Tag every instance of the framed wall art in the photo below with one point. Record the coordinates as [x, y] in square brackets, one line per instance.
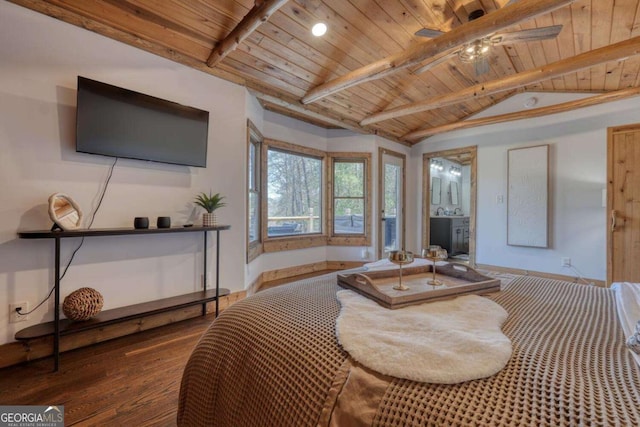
[528, 197]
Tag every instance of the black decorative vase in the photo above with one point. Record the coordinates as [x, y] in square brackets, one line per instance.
[141, 222]
[164, 222]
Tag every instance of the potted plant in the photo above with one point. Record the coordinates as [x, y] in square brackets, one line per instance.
[210, 203]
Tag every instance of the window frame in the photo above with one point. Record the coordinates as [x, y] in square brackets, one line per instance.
[341, 239]
[290, 242]
[254, 138]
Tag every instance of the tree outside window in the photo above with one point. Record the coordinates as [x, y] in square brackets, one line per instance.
[294, 191]
[254, 191]
[348, 196]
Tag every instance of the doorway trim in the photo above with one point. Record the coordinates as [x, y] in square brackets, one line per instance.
[471, 157]
[379, 204]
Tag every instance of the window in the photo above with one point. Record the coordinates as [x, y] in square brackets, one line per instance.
[310, 201]
[254, 138]
[293, 199]
[350, 201]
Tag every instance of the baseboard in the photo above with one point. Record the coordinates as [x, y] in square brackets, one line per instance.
[284, 273]
[23, 351]
[254, 286]
[522, 272]
[344, 265]
[289, 272]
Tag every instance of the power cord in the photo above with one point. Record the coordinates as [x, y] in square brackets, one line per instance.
[93, 217]
[580, 275]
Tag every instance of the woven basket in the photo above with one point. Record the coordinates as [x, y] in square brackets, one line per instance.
[82, 304]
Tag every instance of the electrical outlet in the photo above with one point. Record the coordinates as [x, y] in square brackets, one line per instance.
[14, 317]
[565, 262]
[499, 199]
[365, 253]
[209, 280]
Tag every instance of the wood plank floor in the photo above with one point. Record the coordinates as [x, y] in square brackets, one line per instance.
[129, 381]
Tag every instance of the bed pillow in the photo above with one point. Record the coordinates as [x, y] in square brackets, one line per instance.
[627, 297]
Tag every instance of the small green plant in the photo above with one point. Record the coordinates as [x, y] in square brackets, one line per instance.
[210, 202]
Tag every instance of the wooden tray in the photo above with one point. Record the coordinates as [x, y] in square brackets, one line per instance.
[458, 279]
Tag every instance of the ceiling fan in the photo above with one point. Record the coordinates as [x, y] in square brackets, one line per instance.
[478, 50]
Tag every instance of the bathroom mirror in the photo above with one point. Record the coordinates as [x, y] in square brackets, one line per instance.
[454, 193]
[435, 191]
[64, 212]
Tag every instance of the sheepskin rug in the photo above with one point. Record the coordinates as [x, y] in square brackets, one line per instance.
[444, 342]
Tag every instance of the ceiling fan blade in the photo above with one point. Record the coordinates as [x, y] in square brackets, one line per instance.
[432, 63]
[481, 65]
[533, 34]
[429, 32]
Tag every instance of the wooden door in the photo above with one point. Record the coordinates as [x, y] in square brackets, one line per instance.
[623, 204]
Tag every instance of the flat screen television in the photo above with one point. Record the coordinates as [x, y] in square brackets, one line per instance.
[118, 122]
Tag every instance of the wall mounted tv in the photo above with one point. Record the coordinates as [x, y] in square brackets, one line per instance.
[118, 122]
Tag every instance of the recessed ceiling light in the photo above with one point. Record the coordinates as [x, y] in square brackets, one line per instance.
[319, 29]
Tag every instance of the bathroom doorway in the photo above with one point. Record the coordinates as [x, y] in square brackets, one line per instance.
[449, 202]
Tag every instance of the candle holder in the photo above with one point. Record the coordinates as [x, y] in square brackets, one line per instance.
[435, 254]
[401, 258]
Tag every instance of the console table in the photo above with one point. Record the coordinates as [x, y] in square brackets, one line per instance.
[60, 327]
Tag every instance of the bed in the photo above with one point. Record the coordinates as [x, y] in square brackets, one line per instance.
[273, 360]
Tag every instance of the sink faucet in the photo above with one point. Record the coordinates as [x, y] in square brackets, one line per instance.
[440, 211]
[457, 211]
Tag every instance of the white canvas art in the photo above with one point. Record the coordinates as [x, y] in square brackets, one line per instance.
[528, 197]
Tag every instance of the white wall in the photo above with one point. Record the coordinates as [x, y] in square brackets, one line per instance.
[40, 59]
[578, 175]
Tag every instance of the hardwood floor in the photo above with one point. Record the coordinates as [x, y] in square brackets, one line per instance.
[129, 381]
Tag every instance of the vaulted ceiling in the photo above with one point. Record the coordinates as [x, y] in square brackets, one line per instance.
[363, 74]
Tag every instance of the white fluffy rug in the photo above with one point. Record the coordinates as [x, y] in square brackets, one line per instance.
[443, 342]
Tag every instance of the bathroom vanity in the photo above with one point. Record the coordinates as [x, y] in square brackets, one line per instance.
[450, 233]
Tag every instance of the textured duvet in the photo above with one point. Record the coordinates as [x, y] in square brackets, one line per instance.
[273, 360]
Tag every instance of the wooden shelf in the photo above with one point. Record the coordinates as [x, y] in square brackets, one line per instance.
[121, 314]
[48, 234]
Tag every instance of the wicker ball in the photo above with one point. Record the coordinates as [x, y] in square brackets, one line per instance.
[82, 304]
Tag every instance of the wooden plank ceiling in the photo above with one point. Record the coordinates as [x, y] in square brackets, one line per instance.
[273, 53]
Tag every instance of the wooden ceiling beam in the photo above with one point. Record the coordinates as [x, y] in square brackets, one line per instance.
[505, 17]
[296, 107]
[155, 47]
[259, 14]
[526, 114]
[617, 51]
